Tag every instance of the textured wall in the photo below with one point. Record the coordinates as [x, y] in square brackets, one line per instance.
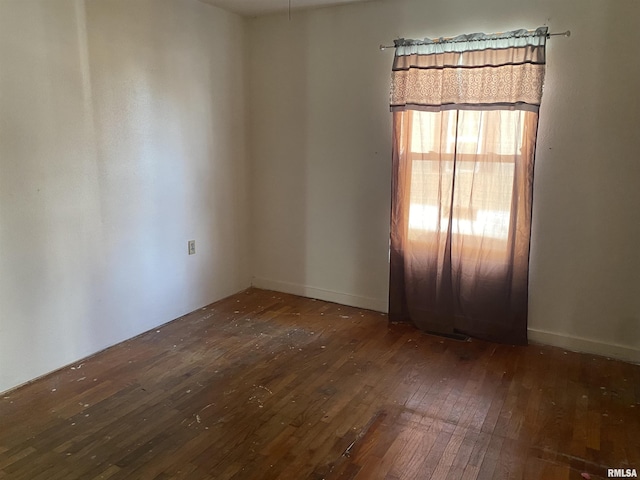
[321, 132]
[121, 138]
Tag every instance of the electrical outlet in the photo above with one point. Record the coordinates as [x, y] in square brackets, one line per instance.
[192, 247]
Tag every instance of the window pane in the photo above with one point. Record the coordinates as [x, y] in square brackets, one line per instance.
[486, 148]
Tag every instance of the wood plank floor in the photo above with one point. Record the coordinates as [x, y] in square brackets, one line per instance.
[264, 385]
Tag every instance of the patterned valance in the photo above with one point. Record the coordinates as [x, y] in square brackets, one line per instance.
[470, 71]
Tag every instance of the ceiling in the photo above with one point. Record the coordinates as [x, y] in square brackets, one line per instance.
[254, 8]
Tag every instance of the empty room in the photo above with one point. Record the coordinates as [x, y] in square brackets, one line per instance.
[319, 239]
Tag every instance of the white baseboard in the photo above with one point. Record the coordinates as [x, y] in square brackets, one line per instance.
[568, 342]
[321, 294]
[584, 345]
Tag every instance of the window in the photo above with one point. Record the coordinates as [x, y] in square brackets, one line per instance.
[479, 185]
[465, 119]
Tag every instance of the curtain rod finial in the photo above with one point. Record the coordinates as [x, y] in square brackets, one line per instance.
[560, 34]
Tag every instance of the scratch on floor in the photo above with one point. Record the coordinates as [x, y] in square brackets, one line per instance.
[370, 427]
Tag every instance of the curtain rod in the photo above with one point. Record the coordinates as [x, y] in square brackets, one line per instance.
[437, 40]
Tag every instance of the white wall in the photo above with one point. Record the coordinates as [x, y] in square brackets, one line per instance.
[320, 157]
[122, 136]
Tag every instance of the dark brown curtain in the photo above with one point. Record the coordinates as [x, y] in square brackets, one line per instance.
[465, 115]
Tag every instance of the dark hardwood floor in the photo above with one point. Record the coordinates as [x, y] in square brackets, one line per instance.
[265, 385]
